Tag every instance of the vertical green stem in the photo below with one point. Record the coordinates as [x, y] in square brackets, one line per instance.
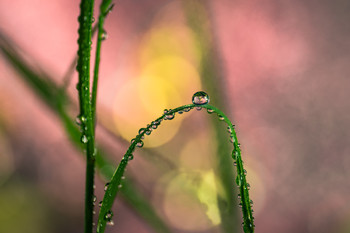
[83, 68]
[104, 9]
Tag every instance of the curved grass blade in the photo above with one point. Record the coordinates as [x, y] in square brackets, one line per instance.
[114, 185]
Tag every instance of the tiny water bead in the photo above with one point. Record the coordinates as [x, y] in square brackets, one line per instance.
[210, 111]
[200, 98]
[199, 108]
[84, 139]
[109, 215]
[106, 186]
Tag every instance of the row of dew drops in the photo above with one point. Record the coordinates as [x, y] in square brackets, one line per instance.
[198, 99]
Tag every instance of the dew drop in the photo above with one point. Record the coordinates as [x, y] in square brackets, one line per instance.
[106, 186]
[240, 204]
[148, 132]
[92, 19]
[239, 196]
[120, 186]
[154, 126]
[93, 212]
[78, 120]
[139, 144]
[109, 215]
[200, 98]
[245, 172]
[248, 186]
[187, 109]
[94, 198]
[232, 139]
[234, 163]
[170, 116]
[180, 112]
[100, 204]
[84, 139]
[229, 129]
[123, 177]
[221, 118]
[198, 108]
[130, 157]
[104, 35]
[210, 111]
[142, 130]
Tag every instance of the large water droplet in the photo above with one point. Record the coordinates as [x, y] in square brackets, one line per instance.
[142, 130]
[200, 98]
[198, 108]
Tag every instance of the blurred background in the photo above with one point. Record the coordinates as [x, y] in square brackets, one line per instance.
[279, 70]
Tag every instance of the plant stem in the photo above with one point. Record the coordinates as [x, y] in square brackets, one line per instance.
[83, 86]
[104, 10]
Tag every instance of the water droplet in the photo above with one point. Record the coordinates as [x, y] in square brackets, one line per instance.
[232, 139]
[198, 108]
[84, 139]
[120, 186]
[245, 172]
[139, 144]
[110, 8]
[142, 130]
[251, 202]
[77, 120]
[180, 112]
[123, 177]
[187, 109]
[221, 118]
[109, 215]
[94, 198]
[200, 98]
[92, 19]
[93, 212]
[234, 163]
[170, 116]
[210, 111]
[131, 157]
[165, 111]
[148, 132]
[240, 204]
[93, 224]
[106, 186]
[239, 196]
[248, 186]
[104, 35]
[100, 204]
[154, 126]
[229, 129]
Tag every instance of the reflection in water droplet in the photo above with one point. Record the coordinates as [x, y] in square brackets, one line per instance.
[221, 118]
[200, 98]
[199, 108]
[180, 112]
[131, 157]
[110, 223]
[120, 186]
[100, 204]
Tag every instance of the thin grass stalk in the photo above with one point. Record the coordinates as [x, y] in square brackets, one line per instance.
[105, 8]
[85, 116]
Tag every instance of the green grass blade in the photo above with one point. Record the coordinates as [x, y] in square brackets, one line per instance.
[113, 187]
[86, 119]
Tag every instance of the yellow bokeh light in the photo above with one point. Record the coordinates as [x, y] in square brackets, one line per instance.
[190, 200]
[130, 115]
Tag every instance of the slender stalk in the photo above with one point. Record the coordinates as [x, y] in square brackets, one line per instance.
[85, 117]
[105, 8]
